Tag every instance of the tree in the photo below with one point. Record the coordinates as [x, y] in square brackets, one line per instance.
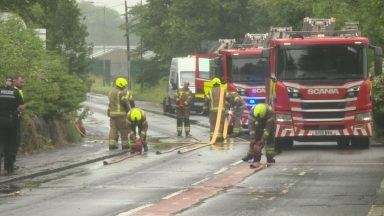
[66, 33]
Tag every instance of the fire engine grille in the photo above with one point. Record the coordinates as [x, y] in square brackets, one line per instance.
[322, 115]
[323, 127]
[329, 105]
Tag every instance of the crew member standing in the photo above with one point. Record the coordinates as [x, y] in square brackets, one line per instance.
[261, 123]
[237, 105]
[183, 98]
[136, 119]
[119, 106]
[212, 100]
[19, 83]
[10, 103]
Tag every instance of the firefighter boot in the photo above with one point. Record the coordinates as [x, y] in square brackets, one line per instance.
[145, 146]
[188, 134]
[247, 157]
[270, 159]
[179, 133]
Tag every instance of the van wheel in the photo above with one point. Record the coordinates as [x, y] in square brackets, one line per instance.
[360, 142]
[165, 106]
[343, 142]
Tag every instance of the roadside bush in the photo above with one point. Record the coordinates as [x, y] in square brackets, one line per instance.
[378, 104]
[51, 92]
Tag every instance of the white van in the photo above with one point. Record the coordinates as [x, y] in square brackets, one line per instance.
[182, 69]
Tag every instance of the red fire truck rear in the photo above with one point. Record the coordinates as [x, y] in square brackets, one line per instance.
[319, 85]
[241, 66]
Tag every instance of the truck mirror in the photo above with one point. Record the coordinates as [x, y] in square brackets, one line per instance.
[378, 60]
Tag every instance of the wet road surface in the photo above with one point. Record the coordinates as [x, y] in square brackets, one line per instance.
[307, 180]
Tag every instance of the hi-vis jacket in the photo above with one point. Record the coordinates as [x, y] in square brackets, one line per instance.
[120, 102]
[183, 97]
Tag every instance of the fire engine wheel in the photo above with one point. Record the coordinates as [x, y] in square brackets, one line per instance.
[343, 142]
[283, 144]
[360, 142]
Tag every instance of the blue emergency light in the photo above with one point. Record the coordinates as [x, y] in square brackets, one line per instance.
[252, 101]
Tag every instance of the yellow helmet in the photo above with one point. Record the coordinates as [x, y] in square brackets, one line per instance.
[260, 110]
[216, 81]
[135, 114]
[121, 82]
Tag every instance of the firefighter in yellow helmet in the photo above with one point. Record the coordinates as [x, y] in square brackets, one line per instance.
[136, 119]
[183, 98]
[212, 100]
[261, 123]
[120, 102]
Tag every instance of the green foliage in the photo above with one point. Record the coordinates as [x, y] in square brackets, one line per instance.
[378, 103]
[65, 32]
[50, 91]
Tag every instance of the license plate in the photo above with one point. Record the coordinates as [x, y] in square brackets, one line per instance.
[323, 132]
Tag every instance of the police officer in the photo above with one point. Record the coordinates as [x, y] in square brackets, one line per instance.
[261, 123]
[212, 100]
[120, 101]
[10, 103]
[237, 105]
[183, 98]
[136, 119]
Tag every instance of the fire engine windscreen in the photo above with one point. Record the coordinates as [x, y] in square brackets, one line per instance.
[322, 62]
[187, 76]
[247, 68]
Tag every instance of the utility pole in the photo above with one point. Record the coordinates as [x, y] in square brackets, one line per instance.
[141, 41]
[104, 71]
[128, 51]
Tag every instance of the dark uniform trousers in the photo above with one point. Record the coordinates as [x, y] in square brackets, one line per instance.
[182, 116]
[8, 139]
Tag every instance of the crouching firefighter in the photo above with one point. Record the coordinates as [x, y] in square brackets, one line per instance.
[136, 119]
[11, 103]
[261, 123]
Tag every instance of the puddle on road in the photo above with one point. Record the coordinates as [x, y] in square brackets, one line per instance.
[9, 189]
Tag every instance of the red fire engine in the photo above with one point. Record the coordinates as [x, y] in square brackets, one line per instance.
[319, 85]
[242, 67]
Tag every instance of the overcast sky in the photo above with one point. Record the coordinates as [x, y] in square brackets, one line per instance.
[113, 4]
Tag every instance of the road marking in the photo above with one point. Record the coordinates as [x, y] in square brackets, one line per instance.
[294, 169]
[201, 181]
[271, 198]
[284, 191]
[284, 169]
[376, 210]
[174, 194]
[302, 173]
[134, 210]
[221, 170]
[236, 163]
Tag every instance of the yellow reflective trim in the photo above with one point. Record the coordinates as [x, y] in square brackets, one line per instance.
[199, 96]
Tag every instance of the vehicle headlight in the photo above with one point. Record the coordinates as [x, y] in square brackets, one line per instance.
[293, 92]
[283, 118]
[353, 92]
[367, 116]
